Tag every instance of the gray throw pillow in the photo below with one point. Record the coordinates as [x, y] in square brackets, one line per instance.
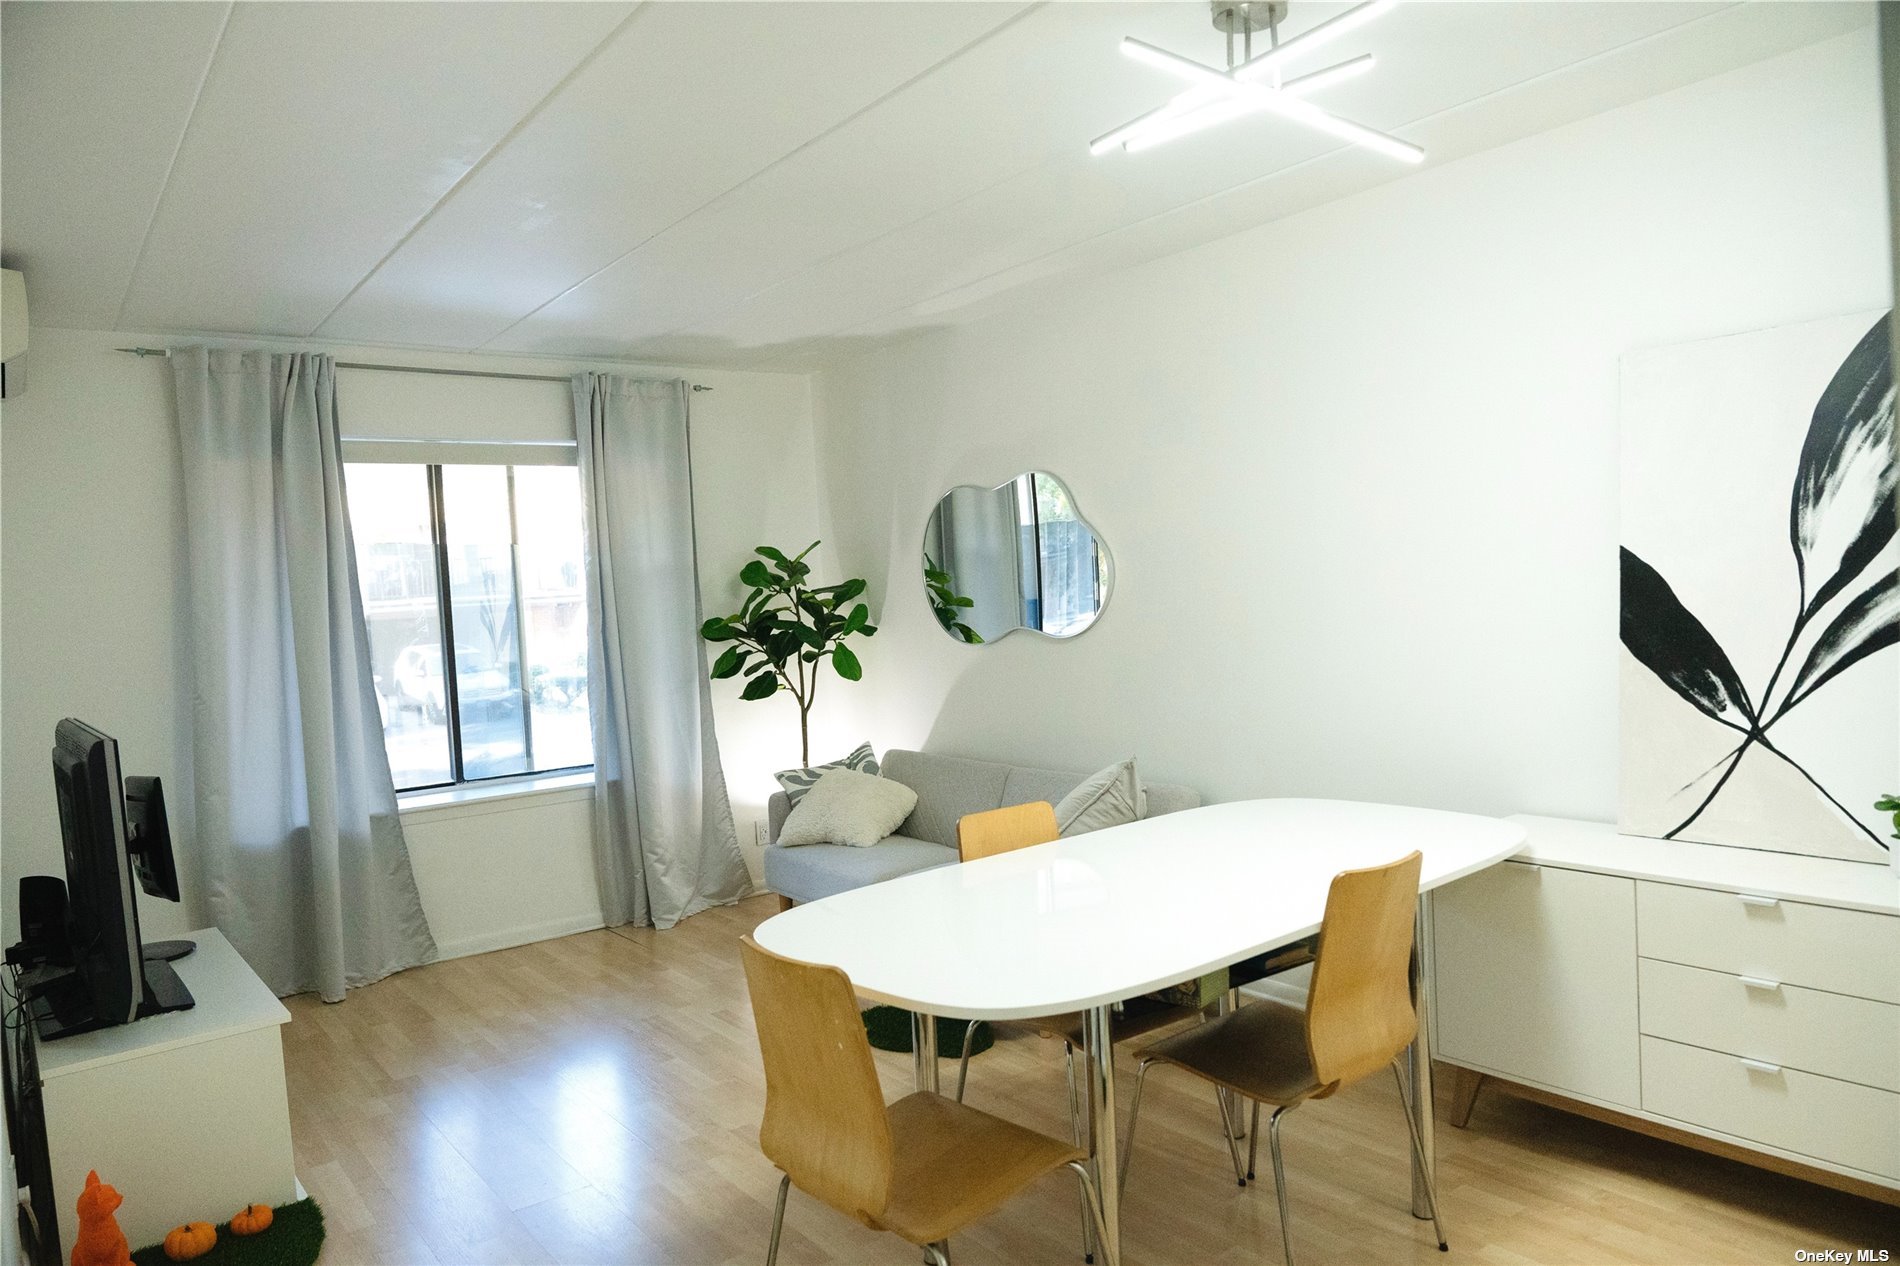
[1109, 797]
[846, 807]
[798, 781]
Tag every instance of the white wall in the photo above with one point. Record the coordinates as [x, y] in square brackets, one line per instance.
[1358, 467]
[91, 618]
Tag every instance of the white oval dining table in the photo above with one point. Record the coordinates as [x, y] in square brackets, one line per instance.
[1082, 923]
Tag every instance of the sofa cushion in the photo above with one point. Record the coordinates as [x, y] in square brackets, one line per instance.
[823, 870]
[846, 807]
[947, 787]
[1026, 786]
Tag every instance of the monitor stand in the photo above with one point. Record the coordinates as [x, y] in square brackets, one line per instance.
[64, 1007]
[166, 951]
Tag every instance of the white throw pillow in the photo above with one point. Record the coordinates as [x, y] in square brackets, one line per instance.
[846, 807]
[1109, 797]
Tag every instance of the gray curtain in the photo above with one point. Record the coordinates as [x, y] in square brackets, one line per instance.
[664, 845]
[303, 852]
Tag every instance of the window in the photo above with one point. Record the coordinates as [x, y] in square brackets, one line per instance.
[471, 581]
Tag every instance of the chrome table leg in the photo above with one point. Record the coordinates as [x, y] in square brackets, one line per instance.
[923, 1045]
[1103, 1140]
[1419, 1069]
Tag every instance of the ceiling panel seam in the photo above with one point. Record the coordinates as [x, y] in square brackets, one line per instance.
[787, 156]
[164, 187]
[918, 304]
[494, 150]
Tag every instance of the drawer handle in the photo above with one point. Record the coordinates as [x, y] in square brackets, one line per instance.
[1759, 1065]
[1758, 982]
[1759, 901]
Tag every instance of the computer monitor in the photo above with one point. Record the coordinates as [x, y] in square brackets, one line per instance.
[110, 982]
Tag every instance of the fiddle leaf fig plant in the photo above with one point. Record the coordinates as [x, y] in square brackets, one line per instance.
[785, 628]
[1890, 804]
[946, 603]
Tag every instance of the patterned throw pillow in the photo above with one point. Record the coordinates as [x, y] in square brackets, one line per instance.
[798, 781]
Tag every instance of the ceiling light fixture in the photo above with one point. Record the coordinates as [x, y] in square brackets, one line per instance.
[1252, 84]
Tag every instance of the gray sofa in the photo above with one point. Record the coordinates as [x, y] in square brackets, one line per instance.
[947, 787]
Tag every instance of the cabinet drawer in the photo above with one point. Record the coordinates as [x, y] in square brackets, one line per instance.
[1536, 977]
[1819, 947]
[1830, 1120]
[1832, 1034]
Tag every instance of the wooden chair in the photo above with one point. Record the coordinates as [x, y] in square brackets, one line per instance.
[1358, 1018]
[922, 1168]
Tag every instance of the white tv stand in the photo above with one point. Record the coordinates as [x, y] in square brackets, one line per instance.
[1746, 1003]
[185, 1113]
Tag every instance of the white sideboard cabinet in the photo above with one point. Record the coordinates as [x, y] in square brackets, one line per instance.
[1740, 1001]
[185, 1113]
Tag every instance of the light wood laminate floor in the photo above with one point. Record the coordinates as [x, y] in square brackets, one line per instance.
[597, 1099]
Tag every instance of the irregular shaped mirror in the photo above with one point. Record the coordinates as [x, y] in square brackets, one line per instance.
[1017, 556]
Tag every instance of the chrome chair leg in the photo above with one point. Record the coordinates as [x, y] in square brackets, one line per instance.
[1230, 1131]
[1418, 1159]
[938, 1253]
[1253, 1140]
[1075, 1135]
[963, 1066]
[1279, 1180]
[1092, 1201]
[1134, 1119]
[778, 1220]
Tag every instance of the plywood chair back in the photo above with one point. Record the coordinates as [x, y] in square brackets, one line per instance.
[1005, 830]
[1359, 1012]
[825, 1121]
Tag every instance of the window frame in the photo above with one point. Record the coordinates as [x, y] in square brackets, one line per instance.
[432, 464]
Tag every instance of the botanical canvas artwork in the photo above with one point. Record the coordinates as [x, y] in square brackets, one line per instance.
[1760, 688]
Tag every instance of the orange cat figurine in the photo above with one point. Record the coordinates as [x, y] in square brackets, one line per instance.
[100, 1242]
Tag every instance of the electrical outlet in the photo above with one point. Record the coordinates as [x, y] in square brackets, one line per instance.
[758, 832]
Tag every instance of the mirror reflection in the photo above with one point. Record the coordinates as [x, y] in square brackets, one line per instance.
[1017, 556]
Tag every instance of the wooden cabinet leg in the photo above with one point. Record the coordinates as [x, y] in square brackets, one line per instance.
[784, 902]
[1464, 1095]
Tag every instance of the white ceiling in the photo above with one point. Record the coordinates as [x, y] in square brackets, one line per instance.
[718, 183]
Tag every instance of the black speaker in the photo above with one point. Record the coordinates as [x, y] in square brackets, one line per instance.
[43, 936]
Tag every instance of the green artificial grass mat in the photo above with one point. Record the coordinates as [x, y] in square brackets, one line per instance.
[889, 1030]
[294, 1238]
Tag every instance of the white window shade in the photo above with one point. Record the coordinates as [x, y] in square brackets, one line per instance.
[403, 416]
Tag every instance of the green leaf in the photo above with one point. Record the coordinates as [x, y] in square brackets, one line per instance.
[762, 686]
[847, 664]
[967, 633]
[756, 574]
[808, 549]
[728, 664]
[718, 629]
[935, 578]
[770, 553]
[849, 590]
[810, 657]
[868, 630]
[859, 617]
[960, 601]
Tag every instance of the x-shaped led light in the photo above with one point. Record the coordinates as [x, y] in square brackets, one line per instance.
[1255, 86]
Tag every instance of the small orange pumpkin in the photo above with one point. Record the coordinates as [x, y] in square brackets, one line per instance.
[251, 1219]
[194, 1239]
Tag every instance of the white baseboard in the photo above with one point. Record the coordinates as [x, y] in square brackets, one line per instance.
[508, 938]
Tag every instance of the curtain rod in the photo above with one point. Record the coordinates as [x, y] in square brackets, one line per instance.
[403, 369]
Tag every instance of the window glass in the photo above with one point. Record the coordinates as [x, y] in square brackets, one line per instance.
[478, 524]
[551, 557]
[512, 698]
[395, 567]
